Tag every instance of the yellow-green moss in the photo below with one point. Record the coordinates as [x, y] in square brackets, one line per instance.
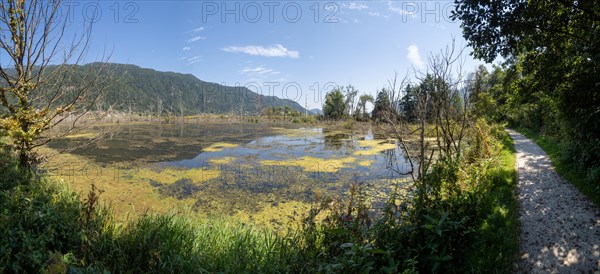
[221, 161]
[219, 147]
[313, 164]
[374, 147]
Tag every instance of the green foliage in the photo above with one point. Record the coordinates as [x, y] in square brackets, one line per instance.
[335, 105]
[507, 27]
[350, 97]
[284, 113]
[486, 93]
[349, 124]
[553, 70]
[38, 221]
[408, 103]
[382, 104]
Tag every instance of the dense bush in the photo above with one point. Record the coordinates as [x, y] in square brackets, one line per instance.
[38, 220]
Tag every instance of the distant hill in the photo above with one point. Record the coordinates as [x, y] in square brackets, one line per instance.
[316, 111]
[147, 90]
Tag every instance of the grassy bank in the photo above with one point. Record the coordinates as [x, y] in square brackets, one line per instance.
[568, 170]
[497, 236]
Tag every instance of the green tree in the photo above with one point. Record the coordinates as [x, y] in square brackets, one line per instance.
[408, 103]
[553, 49]
[362, 104]
[382, 104]
[335, 105]
[36, 96]
[486, 93]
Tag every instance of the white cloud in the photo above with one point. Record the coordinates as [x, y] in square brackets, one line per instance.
[186, 48]
[195, 38]
[400, 11]
[258, 70]
[414, 56]
[198, 29]
[357, 6]
[272, 51]
[192, 60]
[374, 13]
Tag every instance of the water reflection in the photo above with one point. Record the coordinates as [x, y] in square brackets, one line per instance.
[184, 145]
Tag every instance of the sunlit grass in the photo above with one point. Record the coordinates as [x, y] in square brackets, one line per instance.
[498, 235]
[81, 136]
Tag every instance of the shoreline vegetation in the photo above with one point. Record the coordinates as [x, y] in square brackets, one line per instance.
[115, 117]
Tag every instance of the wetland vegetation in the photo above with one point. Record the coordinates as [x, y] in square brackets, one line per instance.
[258, 172]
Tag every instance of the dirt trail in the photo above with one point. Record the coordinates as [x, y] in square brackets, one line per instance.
[560, 228]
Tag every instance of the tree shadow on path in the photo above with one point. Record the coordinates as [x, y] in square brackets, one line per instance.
[560, 228]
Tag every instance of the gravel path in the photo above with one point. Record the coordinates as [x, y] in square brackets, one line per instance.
[560, 228]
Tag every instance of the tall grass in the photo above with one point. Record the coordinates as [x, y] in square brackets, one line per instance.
[175, 243]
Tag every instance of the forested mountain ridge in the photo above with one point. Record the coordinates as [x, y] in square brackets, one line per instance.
[142, 90]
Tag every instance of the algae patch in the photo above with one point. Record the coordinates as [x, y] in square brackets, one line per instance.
[366, 163]
[216, 147]
[373, 147]
[170, 175]
[181, 189]
[221, 161]
[313, 164]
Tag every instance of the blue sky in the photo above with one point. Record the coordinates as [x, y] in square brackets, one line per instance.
[296, 50]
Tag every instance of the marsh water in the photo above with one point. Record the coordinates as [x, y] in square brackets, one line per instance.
[238, 169]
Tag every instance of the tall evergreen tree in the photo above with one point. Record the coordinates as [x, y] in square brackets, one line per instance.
[382, 104]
